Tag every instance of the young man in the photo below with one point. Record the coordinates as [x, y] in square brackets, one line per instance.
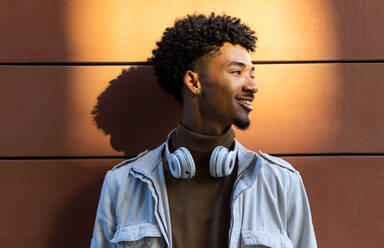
[202, 188]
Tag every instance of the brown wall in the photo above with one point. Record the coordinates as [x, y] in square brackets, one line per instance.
[319, 68]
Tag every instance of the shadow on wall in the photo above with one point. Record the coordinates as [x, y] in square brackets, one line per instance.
[75, 190]
[135, 112]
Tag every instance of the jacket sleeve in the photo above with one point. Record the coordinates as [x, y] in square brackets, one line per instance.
[299, 220]
[105, 224]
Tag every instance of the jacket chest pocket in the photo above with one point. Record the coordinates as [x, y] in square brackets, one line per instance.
[264, 239]
[150, 242]
[139, 235]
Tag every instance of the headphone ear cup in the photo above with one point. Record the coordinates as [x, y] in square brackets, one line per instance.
[187, 164]
[222, 162]
[221, 157]
[174, 166]
[229, 163]
[216, 163]
[212, 162]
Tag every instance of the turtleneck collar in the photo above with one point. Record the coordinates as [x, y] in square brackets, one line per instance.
[196, 142]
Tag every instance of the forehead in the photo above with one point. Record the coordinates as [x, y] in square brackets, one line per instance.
[229, 53]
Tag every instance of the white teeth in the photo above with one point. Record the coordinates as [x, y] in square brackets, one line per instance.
[246, 102]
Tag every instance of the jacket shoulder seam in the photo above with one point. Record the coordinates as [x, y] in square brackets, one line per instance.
[278, 161]
[130, 160]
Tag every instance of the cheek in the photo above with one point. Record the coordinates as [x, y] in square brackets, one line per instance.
[227, 101]
[224, 94]
[221, 93]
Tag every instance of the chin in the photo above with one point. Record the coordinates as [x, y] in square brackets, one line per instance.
[242, 123]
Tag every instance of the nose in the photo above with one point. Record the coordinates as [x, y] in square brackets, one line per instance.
[250, 85]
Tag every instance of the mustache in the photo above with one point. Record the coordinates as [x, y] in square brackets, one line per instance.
[249, 96]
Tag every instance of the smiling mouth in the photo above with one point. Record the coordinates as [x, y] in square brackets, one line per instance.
[245, 104]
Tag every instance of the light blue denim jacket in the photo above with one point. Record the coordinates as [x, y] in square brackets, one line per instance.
[269, 204]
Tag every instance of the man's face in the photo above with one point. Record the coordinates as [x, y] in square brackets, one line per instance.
[227, 87]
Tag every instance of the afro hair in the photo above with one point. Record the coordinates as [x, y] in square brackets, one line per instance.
[190, 39]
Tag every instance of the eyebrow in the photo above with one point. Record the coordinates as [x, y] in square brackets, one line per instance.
[235, 63]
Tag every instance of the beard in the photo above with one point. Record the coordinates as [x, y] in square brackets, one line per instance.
[242, 123]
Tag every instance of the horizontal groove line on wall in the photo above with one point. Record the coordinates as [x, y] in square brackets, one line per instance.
[148, 63]
[126, 157]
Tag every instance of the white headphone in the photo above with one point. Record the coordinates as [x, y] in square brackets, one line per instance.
[181, 164]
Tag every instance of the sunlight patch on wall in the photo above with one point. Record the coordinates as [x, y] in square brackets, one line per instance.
[297, 108]
[127, 30]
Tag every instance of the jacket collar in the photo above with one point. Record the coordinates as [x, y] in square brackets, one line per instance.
[244, 156]
[152, 159]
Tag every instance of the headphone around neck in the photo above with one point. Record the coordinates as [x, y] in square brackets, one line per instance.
[181, 164]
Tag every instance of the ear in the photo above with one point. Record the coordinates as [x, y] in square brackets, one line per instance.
[192, 81]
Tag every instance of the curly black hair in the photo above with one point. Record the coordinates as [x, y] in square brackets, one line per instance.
[184, 44]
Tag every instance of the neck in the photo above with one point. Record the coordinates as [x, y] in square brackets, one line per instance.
[193, 120]
[199, 126]
[197, 142]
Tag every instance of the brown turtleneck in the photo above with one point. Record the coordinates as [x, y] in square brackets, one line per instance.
[200, 207]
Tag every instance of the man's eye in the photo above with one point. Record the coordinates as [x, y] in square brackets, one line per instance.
[236, 72]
